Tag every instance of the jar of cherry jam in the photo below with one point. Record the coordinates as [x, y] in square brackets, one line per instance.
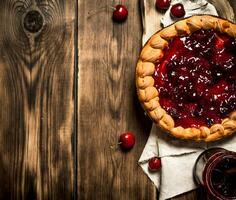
[215, 171]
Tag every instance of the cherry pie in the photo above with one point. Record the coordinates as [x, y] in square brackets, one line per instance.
[186, 78]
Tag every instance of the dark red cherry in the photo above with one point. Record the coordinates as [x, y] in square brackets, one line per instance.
[154, 164]
[177, 10]
[127, 140]
[163, 4]
[120, 13]
[191, 108]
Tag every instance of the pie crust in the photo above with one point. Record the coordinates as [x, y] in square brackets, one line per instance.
[148, 95]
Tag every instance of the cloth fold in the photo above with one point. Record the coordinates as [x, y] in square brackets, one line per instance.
[178, 158]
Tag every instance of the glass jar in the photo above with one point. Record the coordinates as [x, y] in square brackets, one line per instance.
[215, 171]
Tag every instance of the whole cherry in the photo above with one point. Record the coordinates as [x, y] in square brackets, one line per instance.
[177, 10]
[127, 141]
[163, 4]
[120, 13]
[154, 164]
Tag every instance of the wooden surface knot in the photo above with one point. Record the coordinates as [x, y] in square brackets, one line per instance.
[33, 21]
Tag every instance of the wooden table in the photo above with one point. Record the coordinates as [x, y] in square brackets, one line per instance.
[66, 93]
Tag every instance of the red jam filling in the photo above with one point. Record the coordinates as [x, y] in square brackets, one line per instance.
[196, 78]
[223, 177]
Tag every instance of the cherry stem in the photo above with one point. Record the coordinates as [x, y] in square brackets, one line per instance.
[200, 6]
[116, 146]
[158, 152]
[93, 12]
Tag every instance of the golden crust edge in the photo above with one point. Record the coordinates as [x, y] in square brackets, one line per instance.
[216, 131]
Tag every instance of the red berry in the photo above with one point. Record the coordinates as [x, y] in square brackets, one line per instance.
[167, 104]
[154, 164]
[177, 10]
[219, 43]
[120, 13]
[191, 107]
[225, 61]
[127, 140]
[192, 122]
[162, 4]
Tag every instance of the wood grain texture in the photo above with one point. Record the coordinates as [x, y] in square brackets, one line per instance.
[107, 105]
[37, 101]
[38, 128]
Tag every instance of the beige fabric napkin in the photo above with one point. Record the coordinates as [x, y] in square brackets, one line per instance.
[177, 156]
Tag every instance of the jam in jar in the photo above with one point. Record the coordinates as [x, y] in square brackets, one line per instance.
[215, 171]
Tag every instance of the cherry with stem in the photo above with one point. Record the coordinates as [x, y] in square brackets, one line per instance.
[120, 12]
[126, 141]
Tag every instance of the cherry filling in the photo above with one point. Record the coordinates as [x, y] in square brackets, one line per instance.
[196, 78]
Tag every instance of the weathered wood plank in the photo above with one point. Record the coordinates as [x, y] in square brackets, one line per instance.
[107, 105]
[36, 98]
